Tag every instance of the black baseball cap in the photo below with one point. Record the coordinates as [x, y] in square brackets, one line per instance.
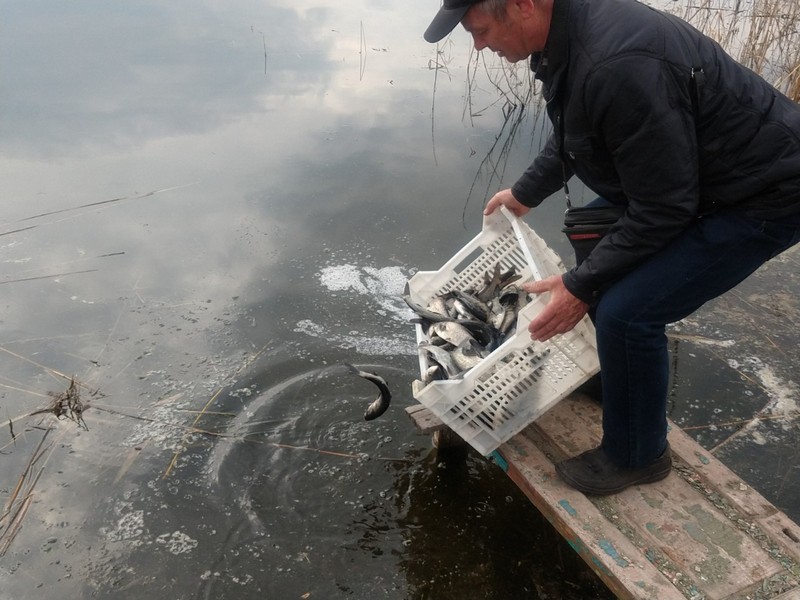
[449, 15]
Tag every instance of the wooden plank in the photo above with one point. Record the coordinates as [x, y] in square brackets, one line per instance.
[716, 477]
[671, 521]
[715, 474]
[608, 552]
[700, 533]
[424, 420]
[784, 532]
[790, 595]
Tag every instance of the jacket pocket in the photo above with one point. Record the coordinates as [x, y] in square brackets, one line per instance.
[578, 147]
[593, 165]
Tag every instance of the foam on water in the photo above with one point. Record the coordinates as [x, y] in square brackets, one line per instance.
[365, 344]
[783, 405]
[176, 542]
[383, 287]
[782, 393]
[130, 529]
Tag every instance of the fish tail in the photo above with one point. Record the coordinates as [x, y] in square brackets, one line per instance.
[351, 368]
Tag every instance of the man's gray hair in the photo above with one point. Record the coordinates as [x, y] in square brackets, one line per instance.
[495, 8]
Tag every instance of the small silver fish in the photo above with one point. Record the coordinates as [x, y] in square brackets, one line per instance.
[451, 332]
[425, 313]
[433, 373]
[474, 307]
[468, 354]
[438, 305]
[491, 283]
[443, 358]
[378, 406]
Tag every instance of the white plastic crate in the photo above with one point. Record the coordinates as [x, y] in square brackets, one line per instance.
[522, 378]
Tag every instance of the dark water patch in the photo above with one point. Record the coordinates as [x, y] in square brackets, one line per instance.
[710, 409]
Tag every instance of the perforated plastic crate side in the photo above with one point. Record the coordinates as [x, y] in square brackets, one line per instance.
[520, 380]
[512, 386]
[502, 240]
[497, 241]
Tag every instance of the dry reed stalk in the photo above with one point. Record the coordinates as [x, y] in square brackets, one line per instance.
[516, 94]
[793, 87]
[21, 497]
[762, 35]
[250, 360]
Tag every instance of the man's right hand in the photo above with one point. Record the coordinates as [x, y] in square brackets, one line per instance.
[505, 198]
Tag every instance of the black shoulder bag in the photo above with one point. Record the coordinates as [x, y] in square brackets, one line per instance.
[585, 226]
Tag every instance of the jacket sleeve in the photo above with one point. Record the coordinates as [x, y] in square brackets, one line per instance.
[640, 113]
[543, 178]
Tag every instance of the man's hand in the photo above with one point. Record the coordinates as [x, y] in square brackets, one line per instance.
[562, 312]
[505, 198]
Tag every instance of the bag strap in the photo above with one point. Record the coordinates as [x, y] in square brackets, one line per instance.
[561, 155]
[564, 177]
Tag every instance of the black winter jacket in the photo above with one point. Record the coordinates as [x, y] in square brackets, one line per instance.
[635, 120]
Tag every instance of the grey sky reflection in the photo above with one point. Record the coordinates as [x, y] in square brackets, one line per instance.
[100, 73]
[260, 178]
[261, 181]
[115, 100]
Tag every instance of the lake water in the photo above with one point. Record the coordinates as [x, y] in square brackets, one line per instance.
[207, 206]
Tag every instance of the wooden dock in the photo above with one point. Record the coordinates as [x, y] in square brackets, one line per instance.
[702, 533]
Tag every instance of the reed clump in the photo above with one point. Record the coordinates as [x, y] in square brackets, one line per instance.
[763, 35]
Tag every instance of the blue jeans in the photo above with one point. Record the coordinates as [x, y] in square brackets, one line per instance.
[715, 254]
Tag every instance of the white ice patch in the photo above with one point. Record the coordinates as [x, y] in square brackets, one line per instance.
[384, 288]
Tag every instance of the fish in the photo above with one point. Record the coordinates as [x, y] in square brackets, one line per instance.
[378, 406]
[474, 307]
[450, 331]
[485, 333]
[443, 358]
[433, 373]
[491, 283]
[510, 301]
[463, 326]
[439, 305]
[468, 354]
[426, 312]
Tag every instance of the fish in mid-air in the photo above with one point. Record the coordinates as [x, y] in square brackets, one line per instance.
[378, 406]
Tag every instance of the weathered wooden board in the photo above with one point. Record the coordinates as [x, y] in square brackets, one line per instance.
[790, 595]
[674, 521]
[714, 475]
[702, 533]
[610, 553]
[425, 420]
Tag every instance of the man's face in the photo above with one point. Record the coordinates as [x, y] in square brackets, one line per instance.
[502, 36]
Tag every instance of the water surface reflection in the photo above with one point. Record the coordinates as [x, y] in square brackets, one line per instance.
[205, 207]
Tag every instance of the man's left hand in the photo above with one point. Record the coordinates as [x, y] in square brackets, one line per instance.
[562, 312]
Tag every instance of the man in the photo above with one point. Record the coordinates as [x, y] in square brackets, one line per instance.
[703, 154]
